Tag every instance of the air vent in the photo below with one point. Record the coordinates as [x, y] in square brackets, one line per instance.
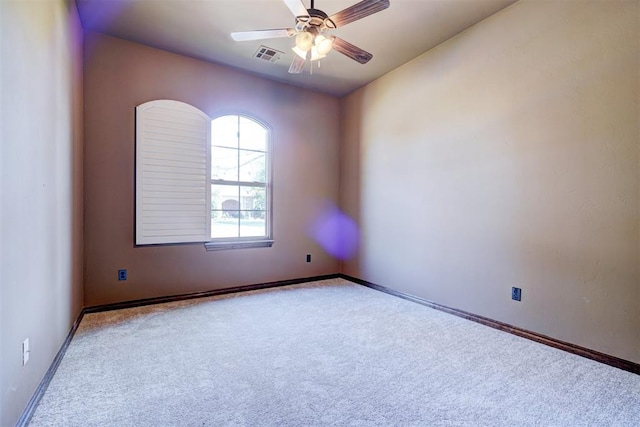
[268, 54]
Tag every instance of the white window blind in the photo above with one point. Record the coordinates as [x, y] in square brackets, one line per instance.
[173, 193]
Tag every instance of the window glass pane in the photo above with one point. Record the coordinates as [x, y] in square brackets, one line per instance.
[224, 163]
[225, 198]
[224, 224]
[253, 136]
[252, 166]
[225, 211]
[224, 131]
[253, 224]
[239, 154]
[253, 198]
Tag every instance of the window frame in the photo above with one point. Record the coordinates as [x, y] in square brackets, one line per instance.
[239, 242]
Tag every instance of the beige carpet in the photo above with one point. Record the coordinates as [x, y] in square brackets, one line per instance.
[326, 353]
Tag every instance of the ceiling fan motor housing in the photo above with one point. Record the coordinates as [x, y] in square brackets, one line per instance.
[316, 19]
[317, 13]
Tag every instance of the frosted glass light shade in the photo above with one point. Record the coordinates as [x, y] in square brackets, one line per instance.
[301, 53]
[315, 54]
[304, 41]
[323, 44]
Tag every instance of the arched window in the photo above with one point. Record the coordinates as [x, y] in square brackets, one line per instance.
[240, 190]
[201, 180]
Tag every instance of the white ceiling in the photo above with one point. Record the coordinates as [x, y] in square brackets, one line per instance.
[201, 28]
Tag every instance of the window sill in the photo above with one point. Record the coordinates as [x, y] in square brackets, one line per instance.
[220, 246]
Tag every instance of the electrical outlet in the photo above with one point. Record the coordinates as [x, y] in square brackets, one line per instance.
[122, 274]
[308, 257]
[516, 294]
[25, 351]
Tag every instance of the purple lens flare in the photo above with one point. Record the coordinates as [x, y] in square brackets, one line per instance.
[336, 232]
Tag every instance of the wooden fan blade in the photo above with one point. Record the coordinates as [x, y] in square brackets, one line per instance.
[296, 7]
[358, 11]
[352, 51]
[296, 65]
[243, 36]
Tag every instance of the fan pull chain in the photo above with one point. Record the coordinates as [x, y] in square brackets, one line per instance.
[311, 67]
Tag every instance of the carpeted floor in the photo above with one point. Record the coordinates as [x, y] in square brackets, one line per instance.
[325, 353]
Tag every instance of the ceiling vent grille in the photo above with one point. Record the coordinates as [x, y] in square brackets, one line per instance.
[268, 54]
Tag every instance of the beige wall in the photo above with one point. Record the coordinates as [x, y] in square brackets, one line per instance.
[509, 156]
[41, 191]
[305, 132]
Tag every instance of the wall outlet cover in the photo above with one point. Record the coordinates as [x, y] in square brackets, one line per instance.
[25, 351]
[516, 294]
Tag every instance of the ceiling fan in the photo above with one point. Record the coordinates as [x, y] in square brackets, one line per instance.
[311, 31]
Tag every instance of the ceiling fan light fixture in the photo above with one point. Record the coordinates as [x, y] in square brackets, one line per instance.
[316, 54]
[301, 53]
[304, 41]
[323, 44]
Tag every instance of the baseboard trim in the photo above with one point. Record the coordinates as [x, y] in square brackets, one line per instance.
[204, 294]
[24, 419]
[616, 362]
